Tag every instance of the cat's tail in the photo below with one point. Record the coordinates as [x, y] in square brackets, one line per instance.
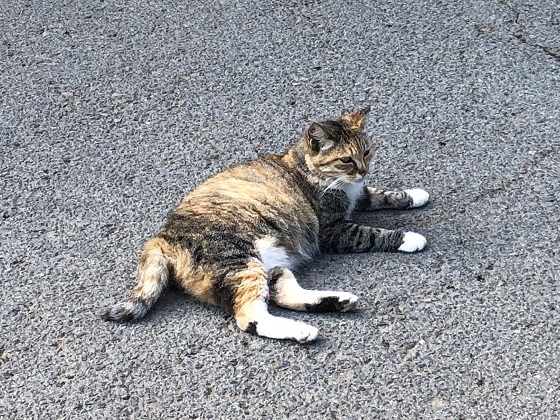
[153, 274]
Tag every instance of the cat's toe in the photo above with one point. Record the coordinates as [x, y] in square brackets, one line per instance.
[334, 302]
[346, 302]
[419, 197]
[305, 333]
[412, 242]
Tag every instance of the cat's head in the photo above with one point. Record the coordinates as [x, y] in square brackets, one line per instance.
[339, 151]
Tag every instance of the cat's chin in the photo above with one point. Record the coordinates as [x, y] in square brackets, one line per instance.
[357, 180]
[348, 182]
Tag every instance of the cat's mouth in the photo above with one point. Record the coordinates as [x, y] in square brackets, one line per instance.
[358, 178]
[351, 179]
[339, 182]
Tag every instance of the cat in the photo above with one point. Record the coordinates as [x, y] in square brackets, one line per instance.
[234, 240]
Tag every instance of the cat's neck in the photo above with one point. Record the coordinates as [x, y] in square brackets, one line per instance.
[319, 188]
[295, 160]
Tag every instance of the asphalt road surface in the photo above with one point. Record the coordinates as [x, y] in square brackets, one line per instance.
[111, 110]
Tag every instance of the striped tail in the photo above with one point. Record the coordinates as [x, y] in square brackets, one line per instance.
[153, 273]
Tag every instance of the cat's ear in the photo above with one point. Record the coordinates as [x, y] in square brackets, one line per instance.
[357, 119]
[317, 138]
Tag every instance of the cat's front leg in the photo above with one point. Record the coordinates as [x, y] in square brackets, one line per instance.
[351, 237]
[378, 198]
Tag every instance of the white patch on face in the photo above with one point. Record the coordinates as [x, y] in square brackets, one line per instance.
[281, 328]
[272, 255]
[354, 191]
[419, 196]
[412, 242]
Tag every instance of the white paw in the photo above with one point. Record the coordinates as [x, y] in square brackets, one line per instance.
[419, 197]
[285, 329]
[347, 301]
[304, 333]
[412, 242]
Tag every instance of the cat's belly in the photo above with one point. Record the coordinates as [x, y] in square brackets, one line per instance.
[261, 204]
[274, 255]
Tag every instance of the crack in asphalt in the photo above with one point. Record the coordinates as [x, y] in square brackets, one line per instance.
[547, 51]
[519, 35]
[525, 171]
[507, 184]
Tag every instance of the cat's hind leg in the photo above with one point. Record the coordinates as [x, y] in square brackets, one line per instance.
[287, 292]
[250, 308]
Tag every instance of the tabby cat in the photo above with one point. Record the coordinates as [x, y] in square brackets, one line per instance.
[235, 239]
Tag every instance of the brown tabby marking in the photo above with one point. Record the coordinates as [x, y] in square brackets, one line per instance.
[234, 240]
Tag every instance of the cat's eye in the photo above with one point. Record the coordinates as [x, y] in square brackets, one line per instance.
[367, 152]
[346, 159]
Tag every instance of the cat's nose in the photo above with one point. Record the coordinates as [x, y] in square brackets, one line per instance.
[362, 171]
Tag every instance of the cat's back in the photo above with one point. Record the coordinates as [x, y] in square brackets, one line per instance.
[266, 180]
[264, 196]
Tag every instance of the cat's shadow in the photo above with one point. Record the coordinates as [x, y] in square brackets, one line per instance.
[174, 298]
[392, 218]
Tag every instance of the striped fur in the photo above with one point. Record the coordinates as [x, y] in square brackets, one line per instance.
[232, 241]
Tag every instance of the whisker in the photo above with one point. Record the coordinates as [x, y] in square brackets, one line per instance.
[333, 184]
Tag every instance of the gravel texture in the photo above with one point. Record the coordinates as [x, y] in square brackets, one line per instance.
[111, 110]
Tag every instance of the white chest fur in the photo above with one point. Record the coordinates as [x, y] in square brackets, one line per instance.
[354, 191]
